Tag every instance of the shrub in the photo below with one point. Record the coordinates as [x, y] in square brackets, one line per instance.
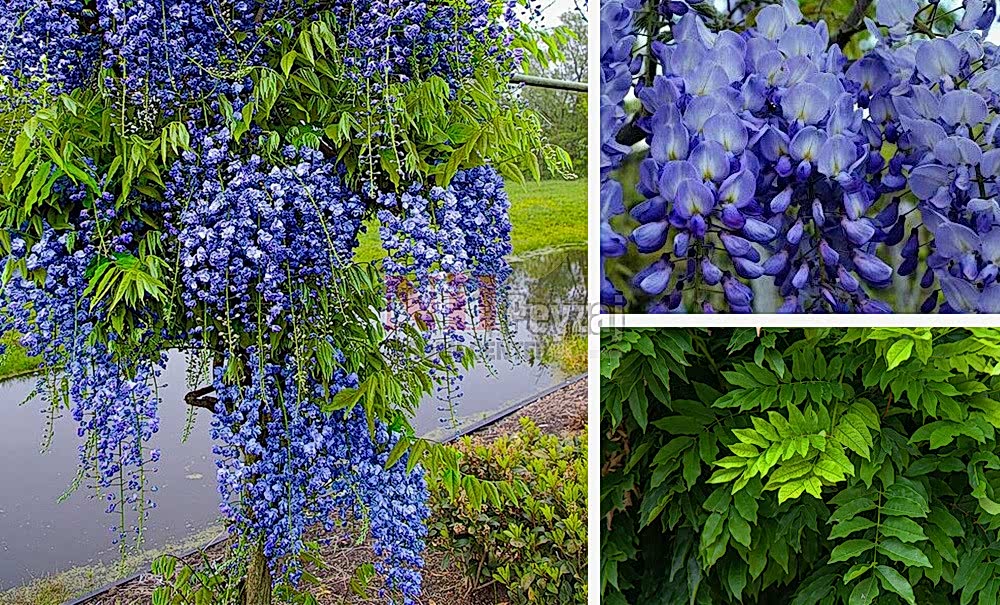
[800, 466]
[517, 513]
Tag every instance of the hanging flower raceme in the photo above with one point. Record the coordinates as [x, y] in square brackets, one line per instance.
[446, 263]
[286, 466]
[50, 44]
[177, 53]
[246, 227]
[772, 158]
[113, 403]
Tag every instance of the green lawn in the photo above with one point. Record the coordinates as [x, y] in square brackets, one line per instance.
[544, 215]
[14, 362]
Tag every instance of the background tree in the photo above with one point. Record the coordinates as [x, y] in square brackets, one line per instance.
[564, 113]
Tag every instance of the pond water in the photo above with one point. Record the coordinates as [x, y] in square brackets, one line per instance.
[40, 536]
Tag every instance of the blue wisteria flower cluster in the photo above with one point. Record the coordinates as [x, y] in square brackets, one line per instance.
[295, 466]
[780, 169]
[168, 54]
[446, 262]
[410, 39]
[51, 44]
[197, 176]
[114, 406]
[246, 227]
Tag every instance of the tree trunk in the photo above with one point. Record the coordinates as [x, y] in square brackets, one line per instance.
[257, 589]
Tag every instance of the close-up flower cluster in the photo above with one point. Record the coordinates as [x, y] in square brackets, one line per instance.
[197, 176]
[781, 174]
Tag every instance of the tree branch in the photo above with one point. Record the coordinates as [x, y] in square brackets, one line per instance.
[200, 398]
[854, 22]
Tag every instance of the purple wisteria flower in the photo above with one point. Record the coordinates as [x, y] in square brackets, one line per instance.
[776, 161]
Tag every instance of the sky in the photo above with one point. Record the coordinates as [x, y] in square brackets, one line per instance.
[554, 8]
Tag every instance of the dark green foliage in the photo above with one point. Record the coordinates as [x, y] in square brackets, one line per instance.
[800, 466]
[517, 514]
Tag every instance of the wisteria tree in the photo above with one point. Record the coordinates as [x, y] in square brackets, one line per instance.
[801, 165]
[195, 176]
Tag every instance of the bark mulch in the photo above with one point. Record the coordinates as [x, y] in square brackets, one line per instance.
[563, 412]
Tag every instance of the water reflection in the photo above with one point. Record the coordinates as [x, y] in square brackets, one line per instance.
[39, 536]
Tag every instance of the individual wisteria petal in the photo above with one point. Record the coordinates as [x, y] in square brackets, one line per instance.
[651, 236]
[681, 242]
[710, 160]
[736, 245]
[836, 156]
[652, 209]
[675, 173]
[732, 217]
[846, 280]
[805, 103]
[693, 197]
[830, 256]
[807, 143]
[670, 143]
[937, 59]
[794, 234]
[771, 22]
[960, 294]
[782, 201]
[990, 163]
[776, 264]
[871, 74]
[737, 294]
[727, 130]
[927, 179]
[710, 273]
[895, 12]
[963, 107]
[655, 278]
[873, 269]
[952, 240]
[612, 243]
[747, 269]
[738, 189]
[801, 277]
[818, 214]
[979, 14]
[912, 245]
[957, 151]
[802, 40]
[759, 231]
[859, 232]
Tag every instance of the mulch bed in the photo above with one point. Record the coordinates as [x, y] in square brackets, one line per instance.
[562, 412]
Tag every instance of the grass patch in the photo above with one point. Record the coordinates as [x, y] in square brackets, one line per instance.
[15, 362]
[61, 587]
[544, 215]
[569, 354]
